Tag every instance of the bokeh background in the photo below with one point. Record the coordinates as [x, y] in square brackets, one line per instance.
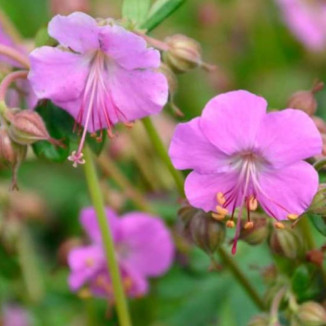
[253, 50]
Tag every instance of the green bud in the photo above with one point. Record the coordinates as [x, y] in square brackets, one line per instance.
[318, 205]
[309, 314]
[259, 320]
[257, 234]
[287, 243]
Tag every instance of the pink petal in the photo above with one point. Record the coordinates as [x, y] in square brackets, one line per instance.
[201, 189]
[288, 136]
[77, 31]
[137, 93]
[57, 75]
[128, 49]
[190, 149]
[231, 120]
[84, 262]
[289, 190]
[89, 222]
[147, 247]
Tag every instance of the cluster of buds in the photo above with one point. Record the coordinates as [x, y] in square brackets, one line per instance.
[305, 100]
[309, 313]
[18, 130]
[207, 233]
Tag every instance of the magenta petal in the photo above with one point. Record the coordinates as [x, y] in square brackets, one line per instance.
[231, 120]
[137, 93]
[201, 189]
[89, 222]
[77, 31]
[57, 75]
[84, 262]
[190, 149]
[128, 49]
[147, 246]
[289, 190]
[288, 136]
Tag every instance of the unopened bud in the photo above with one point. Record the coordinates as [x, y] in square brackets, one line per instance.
[310, 314]
[320, 124]
[257, 234]
[207, 233]
[305, 100]
[286, 242]
[183, 54]
[27, 127]
[259, 320]
[65, 7]
[318, 205]
[10, 152]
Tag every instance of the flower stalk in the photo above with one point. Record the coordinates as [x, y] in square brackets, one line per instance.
[98, 203]
[15, 55]
[10, 78]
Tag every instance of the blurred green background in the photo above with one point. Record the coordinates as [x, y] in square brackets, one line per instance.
[253, 50]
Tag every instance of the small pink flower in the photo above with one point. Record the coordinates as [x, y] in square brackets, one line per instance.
[144, 249]
[100, 74]
[242, 155]
[307, 20]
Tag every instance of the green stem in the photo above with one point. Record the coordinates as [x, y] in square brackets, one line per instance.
[306, 232]
[241, 278]
[161, 151]
[98, 203]
[320, 164]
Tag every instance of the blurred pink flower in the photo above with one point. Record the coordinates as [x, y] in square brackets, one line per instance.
[65, 7]
[103, 75]
[14, 315]
[307, 20]
[144, 249]
[241, 156]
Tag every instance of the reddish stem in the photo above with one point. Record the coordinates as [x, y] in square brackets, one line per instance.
[15, 55]
[6, 82]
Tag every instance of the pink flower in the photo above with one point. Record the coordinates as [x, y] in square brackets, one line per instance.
[14, 315]
[242, 155]
[144, 249]
[307, 20]
[101, 74]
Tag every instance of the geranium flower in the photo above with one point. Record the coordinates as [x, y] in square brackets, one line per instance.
[242, 156]
[101, 74]
[307, 21]
[144, 249]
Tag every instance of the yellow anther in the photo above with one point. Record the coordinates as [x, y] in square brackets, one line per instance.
[292, 217]
[220, 198]
[230, 224]
[89, 262]
[252, 203]
[84, 293]
[249, 225]
[218, 217]
[279, 225]
[222, 211]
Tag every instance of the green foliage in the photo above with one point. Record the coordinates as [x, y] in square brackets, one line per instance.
[319, 222]
[135, 10]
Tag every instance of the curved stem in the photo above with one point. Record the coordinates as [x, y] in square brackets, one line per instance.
[241, 278]
[15, 55]
[98, 203]
[10, 78]
[161, 151]
[306, 232]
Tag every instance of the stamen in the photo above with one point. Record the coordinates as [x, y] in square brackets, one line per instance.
[220, 198]
[84, 293]
[77, 158]
[252, 203]
[292, 217]
[222, 211]
[218, 217]
[230, 224]
[279, 225]
[89, 262]
[249, 225]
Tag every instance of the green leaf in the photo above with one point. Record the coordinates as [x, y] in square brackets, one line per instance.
[59, 125]
[319, 222]
[160, 10]
[135, 10]
[300, 280]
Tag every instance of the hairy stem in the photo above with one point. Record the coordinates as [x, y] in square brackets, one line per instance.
[112, 264]
[161, 151]
[15, 55]
[10, 78]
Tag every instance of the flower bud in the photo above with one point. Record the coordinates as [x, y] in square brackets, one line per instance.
[320, 124]
[318, 205]
[206, 232]
[183, 53]
[259, 320]
[287, 243]
[27, 127]
[305, 100]
[257, 234]
[10, 152]
[310, 314]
